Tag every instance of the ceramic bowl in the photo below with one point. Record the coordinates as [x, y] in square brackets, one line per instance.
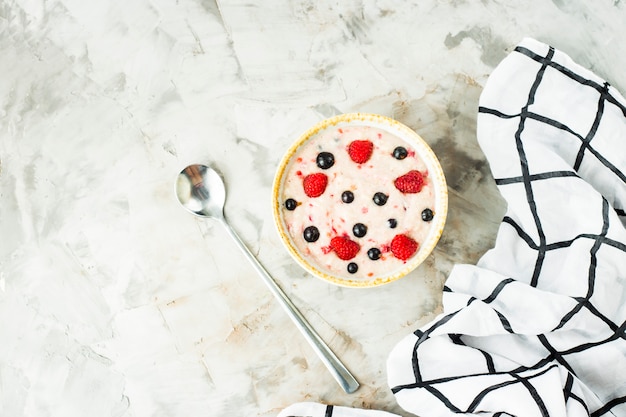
[325, 202]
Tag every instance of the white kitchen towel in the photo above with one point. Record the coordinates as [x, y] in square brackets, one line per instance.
[537, 327]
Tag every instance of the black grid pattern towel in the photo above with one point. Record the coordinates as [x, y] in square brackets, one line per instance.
[537, 327]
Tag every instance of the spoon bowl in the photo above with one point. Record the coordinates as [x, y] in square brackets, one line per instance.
[201, 190]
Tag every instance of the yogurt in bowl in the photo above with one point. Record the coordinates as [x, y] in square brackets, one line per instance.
[360, 200]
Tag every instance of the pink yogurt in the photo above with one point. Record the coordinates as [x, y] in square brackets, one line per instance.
[402, 213]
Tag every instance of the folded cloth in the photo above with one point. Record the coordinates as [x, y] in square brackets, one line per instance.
[537, 327]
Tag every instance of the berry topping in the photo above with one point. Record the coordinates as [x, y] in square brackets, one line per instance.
[347, 197]
[311, 234]
[357, 203]
[344, 248]
[360, 151]
[400, 153]
[315, 184]
[325, 160]
[403, 247]
[291, 204]
[374, 254]
[380, 199]
[410, 183]
[427, 215]
[359, 230]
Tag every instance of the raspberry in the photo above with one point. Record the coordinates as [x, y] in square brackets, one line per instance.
[360, 151]
[403, 247]
[410, 183]
[315, 184]
[344, 248]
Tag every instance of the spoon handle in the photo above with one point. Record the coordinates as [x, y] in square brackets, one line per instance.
[334, 365]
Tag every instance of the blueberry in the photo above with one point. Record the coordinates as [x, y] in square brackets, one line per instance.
[291, 204]
[373, 254]
[392, 223]
[380, 199]
[352, 267]
[427, 215]
[359, 230]
[400, 152]
[347, 197]
[311, 234]
[325, 160]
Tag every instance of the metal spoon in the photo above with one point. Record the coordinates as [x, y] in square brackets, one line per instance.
[201, 190]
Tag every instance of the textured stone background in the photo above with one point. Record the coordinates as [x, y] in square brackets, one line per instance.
[116, 302]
